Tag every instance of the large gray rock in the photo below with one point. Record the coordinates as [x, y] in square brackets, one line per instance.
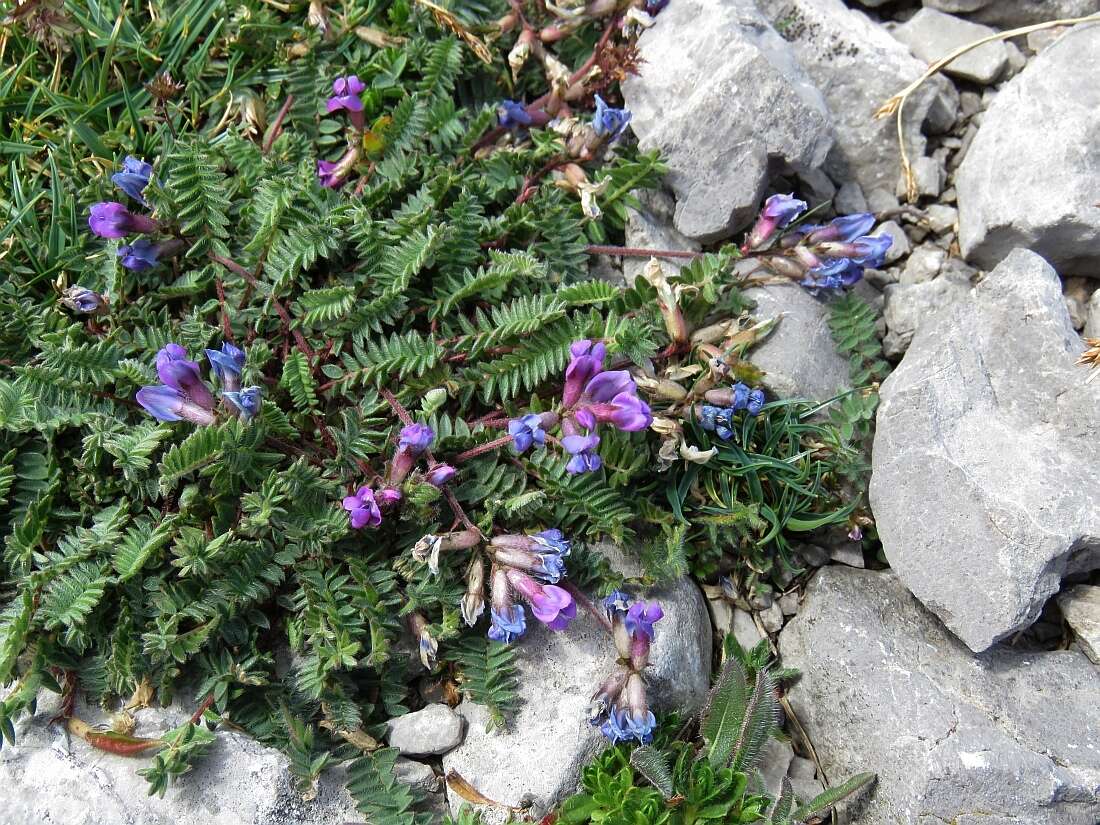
[1031, 177]
[798, 357]
[907, 306]
[650, 227]
[1010, 14]
[1004, 738]
[954, 6]
[984, 468]
[723, 102]
[537, 760]
[858, 66]
[931, 35]
[49, 776]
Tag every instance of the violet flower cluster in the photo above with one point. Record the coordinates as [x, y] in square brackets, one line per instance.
[111, 219]
[619, 705]
[592, 396]
[830, 256]
[345, 97]
[366, 505]
[182, 395]
[717, 417]
[528, 566]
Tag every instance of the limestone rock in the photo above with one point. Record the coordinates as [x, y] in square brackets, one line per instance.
[1011, 14]
[432, 730]
[1081, 609]
[723, 102]
[1092, 319]
[858, 66]
[650, 227]
[539, 756]
[798, 357]
[984, 465]
[1038, 141]
[931, 34]
[910, 305]
[1002, 738]
[923, 265]
[50, 776]
[899, 241]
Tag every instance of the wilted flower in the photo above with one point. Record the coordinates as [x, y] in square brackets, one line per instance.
[778, 212]
[246, 401]
[509, 621]
[636, 717]
[387, 498]
[345, 95]
[513, 115]
[473, 601]
[328, 175]
[81, 300]
[362, 509]
[552, 605]
[133, 178]
[167, 404]
[542, 554]
[606, 695]
[227, 364]
[426, 643]
[583, 449]
[111, 219]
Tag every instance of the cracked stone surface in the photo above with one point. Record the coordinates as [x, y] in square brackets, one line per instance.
[537, 759]
[1002, 738]
[49, 776]
[1038, 141]
[858, 66]
[984, 468]
[724, 102]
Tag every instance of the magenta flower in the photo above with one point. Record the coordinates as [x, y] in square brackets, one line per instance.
[607, 385]
[113, 220]
[387, 498]
[626, 412]
[362, 509]
[778, 212]
[552, 605]
[328, 173]
[586, 361]
[345, 95]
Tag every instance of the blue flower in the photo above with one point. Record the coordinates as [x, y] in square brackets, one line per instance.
[168, 404]
[756, 402]
[509, 623]
[845, 228]
[525, 431]
[227, 364]
[608, 120]
[554, 540]
[583, 449]
[870, 250]
[614, 726]
[133, 178]
[778, 212]
[82, 300]
[416, 438]
[740, 396]
[640, 726]
[142, 254]
[616, 603]
[513, 114]
[248, 401]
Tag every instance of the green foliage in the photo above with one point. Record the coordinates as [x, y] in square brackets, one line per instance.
[181, 746]
[487, 673]
[379, 795]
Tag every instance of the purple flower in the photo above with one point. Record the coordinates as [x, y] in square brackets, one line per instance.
[345, 95]
[387, 497]
[552, 605]
[512, 114]
[542, 554]
[81, 300]
[869, 250]
[616, 603]
[628, 413]
[638, 719]
[111, 219]
[327, 174]
[583, 450]
[182, 375]
[247, 401]
[133, 178]
[608, 120]
[440, 474]
[142, 254]
[845, 228]
[168, 404]
[586, 361]
[607, 385]
[508, 624]
[641, 616]
[227, 364]
[614, 726]
[778, 212]
[416, 438]
[525, 431]
[756, 402]
[362, 509]
[834, 273]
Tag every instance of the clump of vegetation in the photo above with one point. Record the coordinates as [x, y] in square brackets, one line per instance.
[300, 353]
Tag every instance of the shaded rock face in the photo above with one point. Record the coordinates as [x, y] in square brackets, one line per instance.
[1003, 738]
[49, 776]
[723, 102]
[1009, 14]
[1081, 609]
[798, 356]
[537, 760]
[858, 66]
[1031, 177]
[985, 459]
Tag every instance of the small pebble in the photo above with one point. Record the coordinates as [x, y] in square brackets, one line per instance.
[432, 730]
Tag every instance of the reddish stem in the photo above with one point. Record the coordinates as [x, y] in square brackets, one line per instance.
[481, 449]
[277, 124]
[584, 602]
[201, 709]
[638, 252]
